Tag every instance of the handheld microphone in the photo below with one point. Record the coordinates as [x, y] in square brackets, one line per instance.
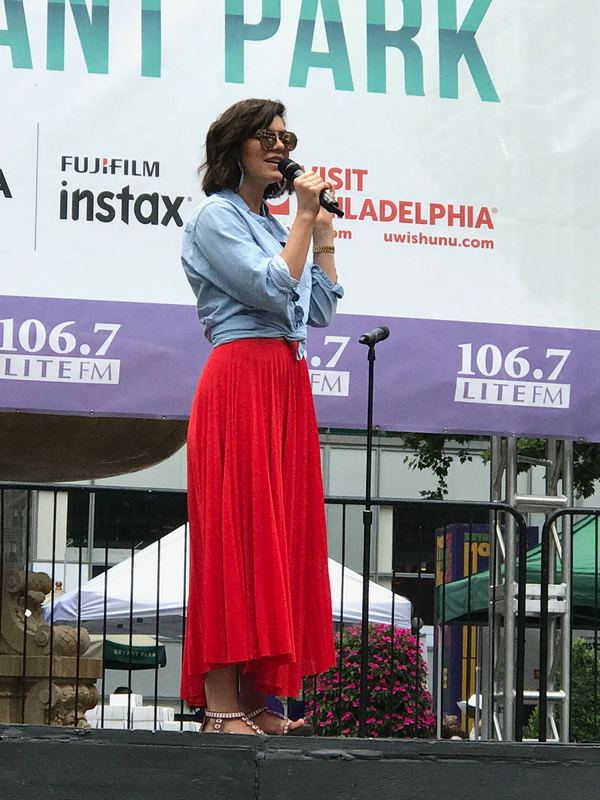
[374, 336]
[290, 171]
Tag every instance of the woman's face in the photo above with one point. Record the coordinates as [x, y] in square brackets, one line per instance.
[260, 165]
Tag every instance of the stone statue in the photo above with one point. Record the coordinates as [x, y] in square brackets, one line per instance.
[59, 685]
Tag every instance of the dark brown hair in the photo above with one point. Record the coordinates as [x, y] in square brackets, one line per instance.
[223, 165]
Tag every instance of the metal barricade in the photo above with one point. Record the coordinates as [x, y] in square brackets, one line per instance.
[47, 672]
[440, 515]
[35, 521]
[569, 707]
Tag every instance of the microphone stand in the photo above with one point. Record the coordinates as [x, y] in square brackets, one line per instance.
[367, 523]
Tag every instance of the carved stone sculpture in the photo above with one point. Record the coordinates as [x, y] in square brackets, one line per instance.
[44, 675]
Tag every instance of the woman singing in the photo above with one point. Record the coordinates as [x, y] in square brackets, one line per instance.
[259, 612]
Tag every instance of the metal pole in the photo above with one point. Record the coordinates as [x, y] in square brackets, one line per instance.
[90, 532]
[478, 690]
[367, 522]
[439, 679]
[567, 579]
[509, 594]
[370, 339]
[495, 496]
[555, 457]
[520, 663]
[543, 684]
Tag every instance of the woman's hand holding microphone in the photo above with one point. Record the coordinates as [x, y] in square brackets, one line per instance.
[312, 221]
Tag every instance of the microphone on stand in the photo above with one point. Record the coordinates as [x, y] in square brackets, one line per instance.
[291, 170]
[374, 336]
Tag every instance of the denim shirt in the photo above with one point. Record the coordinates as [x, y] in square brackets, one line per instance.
[244, 289]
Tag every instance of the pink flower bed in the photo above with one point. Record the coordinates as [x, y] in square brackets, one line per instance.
[398, 705]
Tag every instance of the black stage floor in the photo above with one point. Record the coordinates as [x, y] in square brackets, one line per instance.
[65, 764]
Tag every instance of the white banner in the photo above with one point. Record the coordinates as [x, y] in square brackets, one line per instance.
[461, 136]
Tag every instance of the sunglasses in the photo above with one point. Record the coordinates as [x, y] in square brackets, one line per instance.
[268, 139]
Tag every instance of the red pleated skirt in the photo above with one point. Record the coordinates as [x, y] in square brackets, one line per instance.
[259, 583]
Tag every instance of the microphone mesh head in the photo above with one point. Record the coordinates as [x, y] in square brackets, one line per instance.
[288, 168]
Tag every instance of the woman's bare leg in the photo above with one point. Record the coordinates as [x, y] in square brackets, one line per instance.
[222, 695]
[250, 700]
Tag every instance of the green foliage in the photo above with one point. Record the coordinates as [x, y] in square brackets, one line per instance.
[430, 453]
[532, 448]
[586, 467]
[585, 696]
[585, 693]
[533, 728]
[399, 703]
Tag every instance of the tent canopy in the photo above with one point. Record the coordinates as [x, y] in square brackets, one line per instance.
[466, 601]
[160, 579]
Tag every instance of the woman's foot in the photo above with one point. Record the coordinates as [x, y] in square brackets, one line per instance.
[267, 712]
[224, 713]
[238, 722]
[274, 724]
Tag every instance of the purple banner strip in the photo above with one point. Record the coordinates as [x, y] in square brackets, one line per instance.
[143, 360]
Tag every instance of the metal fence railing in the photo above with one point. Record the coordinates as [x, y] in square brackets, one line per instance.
[569, 575]
[458, 545]
[92, 606]
[72, 638]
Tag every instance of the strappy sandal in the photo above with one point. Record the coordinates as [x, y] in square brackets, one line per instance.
[300, 730]
[219, 716]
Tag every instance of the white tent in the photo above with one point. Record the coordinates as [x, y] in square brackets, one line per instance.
[163, 590]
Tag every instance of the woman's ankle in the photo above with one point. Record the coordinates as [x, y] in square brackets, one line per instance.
[229, 722]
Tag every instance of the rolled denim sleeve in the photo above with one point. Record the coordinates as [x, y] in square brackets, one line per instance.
[323, 298]
[233, 261]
